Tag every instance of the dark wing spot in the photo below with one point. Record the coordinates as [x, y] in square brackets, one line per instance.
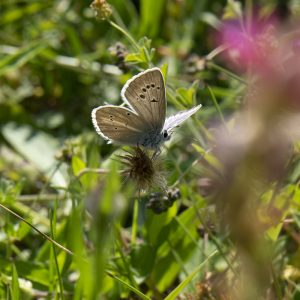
[142, 96]
[148, 86]
[158, 87]
[153, 100]
[144, 90]
[110, 116]
[152, 85]
[116, 127]
[128, 114]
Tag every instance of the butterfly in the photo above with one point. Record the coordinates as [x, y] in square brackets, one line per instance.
[144, 122]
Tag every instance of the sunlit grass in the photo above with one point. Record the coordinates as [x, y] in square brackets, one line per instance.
[215, 216]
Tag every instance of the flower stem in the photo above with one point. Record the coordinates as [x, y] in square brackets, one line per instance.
[135, 221]
[126, 33]
[213, 97]
[228, 73]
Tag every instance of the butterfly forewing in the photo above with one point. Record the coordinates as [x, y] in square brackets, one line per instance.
[146, 94]
[118, 124]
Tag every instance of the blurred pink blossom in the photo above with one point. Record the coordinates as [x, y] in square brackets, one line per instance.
[271, 52]
[249, 44]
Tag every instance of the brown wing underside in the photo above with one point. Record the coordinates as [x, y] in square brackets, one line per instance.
[118, 124]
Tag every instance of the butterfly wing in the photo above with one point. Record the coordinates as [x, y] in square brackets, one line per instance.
[118, 124]
[145, 94]
[175, 120]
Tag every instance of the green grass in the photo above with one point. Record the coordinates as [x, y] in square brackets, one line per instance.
[72, 225]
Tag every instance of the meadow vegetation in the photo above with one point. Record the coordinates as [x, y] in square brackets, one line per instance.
[214, 216]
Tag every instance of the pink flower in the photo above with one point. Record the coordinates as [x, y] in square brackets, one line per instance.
[249, 44]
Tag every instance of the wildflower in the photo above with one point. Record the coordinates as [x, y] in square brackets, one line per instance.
[272, 56]
[144, 171]
[249, 46]
[102, 9]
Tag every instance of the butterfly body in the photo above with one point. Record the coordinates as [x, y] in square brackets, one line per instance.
[144, 122]
[153, 139]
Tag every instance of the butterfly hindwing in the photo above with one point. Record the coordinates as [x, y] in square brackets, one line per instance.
[118, 124]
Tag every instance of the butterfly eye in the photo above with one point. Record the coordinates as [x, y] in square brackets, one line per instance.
[165, 134]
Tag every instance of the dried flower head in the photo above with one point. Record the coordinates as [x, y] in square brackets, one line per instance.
[120, 51]
[146, 172]
[160, 202]
[102, 9]
[69, 148]
[195, 63]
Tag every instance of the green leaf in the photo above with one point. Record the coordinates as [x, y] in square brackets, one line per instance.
[15, 289]
[151, 14]
[170, 264]
[142, 259]
[156, 225]
[180, 237]
[210, 19]
[212, 160]
[77, 165]
[36, 272]
[233, 10]
[37, 147]
[22, 11]
[187, 96]
[164, 70]
[183, 284]
[138, 57]
[21, 56]
[9, 190]
[130, 287]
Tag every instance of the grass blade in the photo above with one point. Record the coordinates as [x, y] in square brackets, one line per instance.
[184, 283]
[21, 57]
[15, 289]
[130, 287]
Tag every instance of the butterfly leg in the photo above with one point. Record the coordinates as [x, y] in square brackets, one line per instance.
[156, 153]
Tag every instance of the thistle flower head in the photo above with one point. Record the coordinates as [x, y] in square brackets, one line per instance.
[146, 172]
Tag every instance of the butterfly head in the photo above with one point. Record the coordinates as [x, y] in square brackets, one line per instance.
[166, 135]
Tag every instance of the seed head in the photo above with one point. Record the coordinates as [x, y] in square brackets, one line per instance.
[102, 9]
[143, 170]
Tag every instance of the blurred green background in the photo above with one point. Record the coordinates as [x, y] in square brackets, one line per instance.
[59, 60]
